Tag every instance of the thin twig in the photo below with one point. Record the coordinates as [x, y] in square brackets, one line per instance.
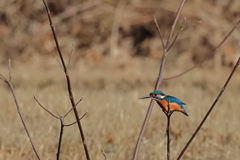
[68, 112]
[44, 107]
[104, 154]
[58, 113]
[70, 56]
[3, 78]
[79, 101]
[18, 108]
[208, 56]
[76, 121]
[210, 110]
[57, 60]
[168, 131]
[9, 71]
[176, 36]
[68, 83]
[73, 107]
[159, 32]
[175, 22]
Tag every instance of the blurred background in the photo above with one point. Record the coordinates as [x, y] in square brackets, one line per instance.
[116, 59]
[115, 28]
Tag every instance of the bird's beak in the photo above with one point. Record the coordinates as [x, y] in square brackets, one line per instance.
[144, 97]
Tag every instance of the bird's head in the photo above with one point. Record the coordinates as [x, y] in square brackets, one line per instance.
[155, 95]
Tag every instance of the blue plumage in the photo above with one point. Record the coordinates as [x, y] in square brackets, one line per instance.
[164, 100]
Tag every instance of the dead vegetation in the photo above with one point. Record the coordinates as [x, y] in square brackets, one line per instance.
[112, 81]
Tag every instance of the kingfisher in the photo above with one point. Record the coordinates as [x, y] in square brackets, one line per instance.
[167, 102]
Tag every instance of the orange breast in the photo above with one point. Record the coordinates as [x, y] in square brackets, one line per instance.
[173, 106]
[163, 104]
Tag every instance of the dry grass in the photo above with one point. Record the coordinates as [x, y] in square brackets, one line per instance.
[111, 85]
[111, 90]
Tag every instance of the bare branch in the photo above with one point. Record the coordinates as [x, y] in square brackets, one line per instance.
[104, 154]
[79, 101]
[176, 36]
[174, 23]
[44, 107]
[157, 84]
[9, 70]
[68, 83]
[168, 131]
[210, 110]
[159, 33]
[76, 121]
[3, 78]
[59, 114]
[68, 112]
[20, 114]
[70, 56]
[208, 56]
[72, 108]
[18, 108]
[58, 60]
[60, 139]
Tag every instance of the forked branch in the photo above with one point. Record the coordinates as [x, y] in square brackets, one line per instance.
[159, 78]
[174, 23]
[68, 82]
[61, 119]
[9, 83]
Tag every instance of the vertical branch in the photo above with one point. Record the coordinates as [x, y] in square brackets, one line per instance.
[210, 110]
[139, 140]
[68, 83]
[60, 139]
[168, 136]
[168, 114]
[174, 23]
[158, 81]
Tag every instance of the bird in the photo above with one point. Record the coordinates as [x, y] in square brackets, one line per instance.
[168, 103]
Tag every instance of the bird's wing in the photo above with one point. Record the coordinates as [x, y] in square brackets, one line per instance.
[172, 99]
